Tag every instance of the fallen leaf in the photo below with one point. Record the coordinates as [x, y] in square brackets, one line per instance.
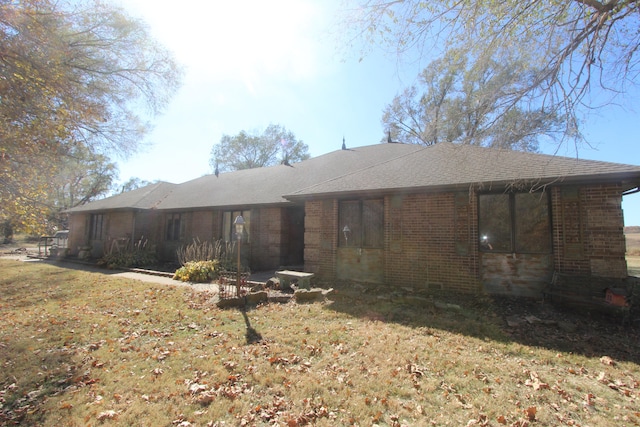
[530, 412]
[588, 399]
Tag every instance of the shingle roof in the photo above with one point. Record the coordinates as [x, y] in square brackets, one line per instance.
[452, 165]
[374, 168]
[263, 186]
[260, 186]
[142, 198]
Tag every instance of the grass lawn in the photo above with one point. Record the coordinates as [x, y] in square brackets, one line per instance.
[80, 349]
[633, 253]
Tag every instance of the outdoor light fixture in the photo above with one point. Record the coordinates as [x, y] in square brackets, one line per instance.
[346, 231]
[239, 223]
[485, 242]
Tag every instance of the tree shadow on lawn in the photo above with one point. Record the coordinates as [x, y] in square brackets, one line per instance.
[252, 336]
[504, 319]
[23, 390]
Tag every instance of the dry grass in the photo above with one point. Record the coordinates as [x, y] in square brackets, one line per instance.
[633, 243]
[81, 348]
[633, 252]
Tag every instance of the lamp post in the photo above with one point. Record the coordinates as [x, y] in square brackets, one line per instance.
[239, 223]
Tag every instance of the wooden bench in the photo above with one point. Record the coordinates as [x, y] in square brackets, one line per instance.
[301, 279]
[591, 293]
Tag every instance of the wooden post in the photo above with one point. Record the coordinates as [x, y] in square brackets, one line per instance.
[238, 275]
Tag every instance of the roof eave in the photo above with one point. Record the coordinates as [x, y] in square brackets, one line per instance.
[629, 180]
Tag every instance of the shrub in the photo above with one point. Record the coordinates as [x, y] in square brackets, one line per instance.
[223, 252]
[197, 271]
[198, 251]
[135, 258]
[137, 255]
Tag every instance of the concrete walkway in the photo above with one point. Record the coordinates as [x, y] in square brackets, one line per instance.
[148, 277]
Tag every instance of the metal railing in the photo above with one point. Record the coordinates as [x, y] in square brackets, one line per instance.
[228, 284]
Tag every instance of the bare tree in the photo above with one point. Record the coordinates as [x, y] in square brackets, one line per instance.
[246, 151]
[577, 44]
[475, 101]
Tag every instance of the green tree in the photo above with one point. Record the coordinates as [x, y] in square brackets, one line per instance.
[472, 102]
[72, 73]
[132, 184]
[577, 44]
[246, 151]
[81, 178]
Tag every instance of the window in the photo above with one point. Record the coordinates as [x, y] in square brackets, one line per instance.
[229, 229]
[515, 222]
[364, 221]
[96, 226]
[175, 227]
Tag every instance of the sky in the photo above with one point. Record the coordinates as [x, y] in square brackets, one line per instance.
[252, 63]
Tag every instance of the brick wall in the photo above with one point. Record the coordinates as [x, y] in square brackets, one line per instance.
[149, 226]
[78, 234]
[201, 225]
[119, 225]
[266, 238]
[429, 241]
[321, 238]
[312, 230]
[589, 230]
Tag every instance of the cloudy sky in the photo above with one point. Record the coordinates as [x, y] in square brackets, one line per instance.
[252, 63]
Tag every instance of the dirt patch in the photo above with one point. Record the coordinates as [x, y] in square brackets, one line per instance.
[569, 329]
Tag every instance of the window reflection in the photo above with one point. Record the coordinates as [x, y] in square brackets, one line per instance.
[515, 222]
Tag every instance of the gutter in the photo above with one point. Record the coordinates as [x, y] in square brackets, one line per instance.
[632, 191]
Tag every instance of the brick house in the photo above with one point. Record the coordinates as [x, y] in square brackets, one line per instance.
[448, 216]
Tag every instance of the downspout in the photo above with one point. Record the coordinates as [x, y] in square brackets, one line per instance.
[632, 191]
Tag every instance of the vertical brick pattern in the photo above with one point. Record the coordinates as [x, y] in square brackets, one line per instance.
[120, 225]
[604, 235]
[200, 227]
[428, 255]
[568, 231]
[329, 237]
[267, 238]
[79, 235]
[420, 248]
[590, 220]
[321, 238]
[312, 228]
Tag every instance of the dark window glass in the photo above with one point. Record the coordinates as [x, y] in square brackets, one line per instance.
[495, 222]
[515, 222]
[175, 227]
[532, 225]
[372, 223]
[96, 226]
[361, 224]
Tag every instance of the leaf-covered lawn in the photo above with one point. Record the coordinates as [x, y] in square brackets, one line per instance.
[80, 348]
